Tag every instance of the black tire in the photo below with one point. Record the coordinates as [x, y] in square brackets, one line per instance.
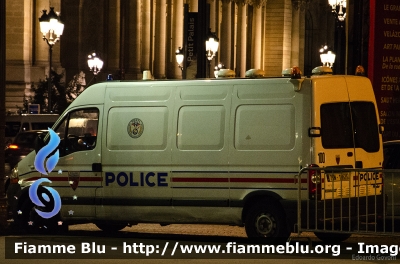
[266, 222]
[110, 227]
[27, 220]
[332, 237]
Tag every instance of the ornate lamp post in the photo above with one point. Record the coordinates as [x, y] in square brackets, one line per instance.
[51, 28]
[95, 64]
[212, 44]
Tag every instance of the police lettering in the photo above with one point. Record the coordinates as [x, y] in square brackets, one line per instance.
[369, 176]
[149, 179]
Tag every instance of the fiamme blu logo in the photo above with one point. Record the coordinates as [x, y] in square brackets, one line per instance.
[45, 164]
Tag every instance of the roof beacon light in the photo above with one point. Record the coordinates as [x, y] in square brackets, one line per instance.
[360, 71]
[322, 70]
[255, 73]
[294, 72]
[226, 73]
[287, 72]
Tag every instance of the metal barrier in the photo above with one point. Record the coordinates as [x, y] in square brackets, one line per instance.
[339, 201]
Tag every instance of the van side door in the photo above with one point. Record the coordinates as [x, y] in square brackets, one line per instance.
[78, 172]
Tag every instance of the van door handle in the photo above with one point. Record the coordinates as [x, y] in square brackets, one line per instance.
[96, 167]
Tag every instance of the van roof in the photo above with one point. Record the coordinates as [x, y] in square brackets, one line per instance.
[98, 90]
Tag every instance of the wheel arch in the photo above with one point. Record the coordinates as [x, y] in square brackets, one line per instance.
[257, 196]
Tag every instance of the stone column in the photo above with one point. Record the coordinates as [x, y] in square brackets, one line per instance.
[113, 48]
[146, 35]
[159, 39]
[214, 15]
[177, 35]
[257, 34]
[225, 42]
[193, 5]
[20, 48]
[214, 25]
[241, 39]
[294, 60]
[298, 7]
[134, 40]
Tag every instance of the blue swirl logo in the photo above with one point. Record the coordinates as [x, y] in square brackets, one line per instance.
[46, 197]
[49, 198]
[45, 151]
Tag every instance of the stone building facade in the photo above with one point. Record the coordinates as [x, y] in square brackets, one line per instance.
[131, 36]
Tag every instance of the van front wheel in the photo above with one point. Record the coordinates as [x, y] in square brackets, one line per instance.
[265, 220]
[110, 227]
[27, 220]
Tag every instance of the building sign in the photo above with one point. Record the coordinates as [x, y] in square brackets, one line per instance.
[384, 63]
[191, 54]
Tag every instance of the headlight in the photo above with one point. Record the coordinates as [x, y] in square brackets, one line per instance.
[14, 175]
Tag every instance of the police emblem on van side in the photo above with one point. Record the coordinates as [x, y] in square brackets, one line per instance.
[135, 128]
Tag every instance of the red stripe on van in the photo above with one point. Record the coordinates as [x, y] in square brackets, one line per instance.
[95, 179]
[199, 179]
[276, 180]
[243, 180]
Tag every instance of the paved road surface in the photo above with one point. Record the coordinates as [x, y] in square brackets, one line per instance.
[189, 234]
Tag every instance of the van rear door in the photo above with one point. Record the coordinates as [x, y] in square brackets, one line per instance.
[368, 142]
[331, 108]
[345, 115]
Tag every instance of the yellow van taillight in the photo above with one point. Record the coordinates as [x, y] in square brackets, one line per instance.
[314, 182]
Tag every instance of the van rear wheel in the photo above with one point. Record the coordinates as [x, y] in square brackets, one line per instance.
[332, 237]
[265, 221]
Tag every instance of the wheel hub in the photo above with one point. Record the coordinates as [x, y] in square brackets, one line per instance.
[265, 224]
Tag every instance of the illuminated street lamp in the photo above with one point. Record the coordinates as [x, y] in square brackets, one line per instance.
[51, 28]
[179, 57]
[217, 68]
[212, 44]
[338, 8]
[327, 57]
[95, 64]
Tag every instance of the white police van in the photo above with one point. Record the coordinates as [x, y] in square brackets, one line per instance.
[211, 151]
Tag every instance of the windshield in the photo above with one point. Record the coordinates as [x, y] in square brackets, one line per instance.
[337, 130]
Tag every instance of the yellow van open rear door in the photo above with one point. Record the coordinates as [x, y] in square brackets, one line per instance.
[346, 135]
